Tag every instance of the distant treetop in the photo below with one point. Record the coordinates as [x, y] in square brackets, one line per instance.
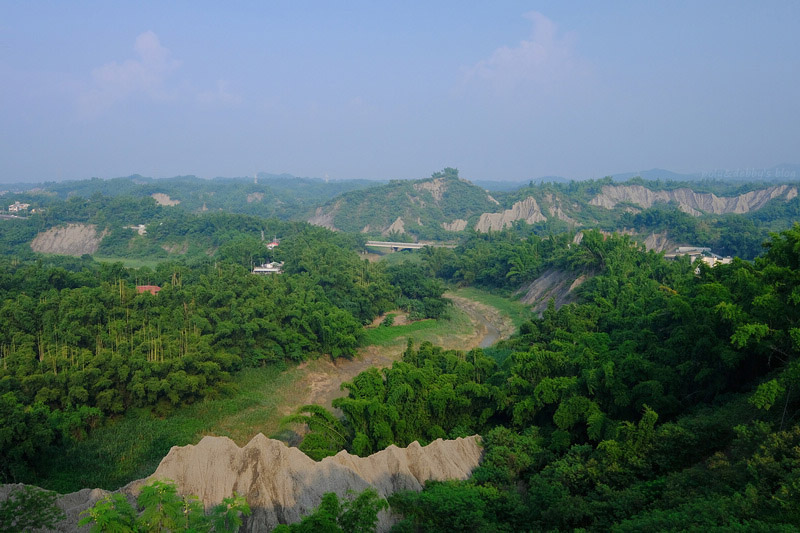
[448, 172]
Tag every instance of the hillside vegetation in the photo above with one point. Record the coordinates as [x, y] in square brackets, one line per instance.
[648, 394]
[266, 195]
[79, 343]
[421, 207]
[665, 399]
[730, 218]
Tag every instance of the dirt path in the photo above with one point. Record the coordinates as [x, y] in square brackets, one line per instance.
[324, 377]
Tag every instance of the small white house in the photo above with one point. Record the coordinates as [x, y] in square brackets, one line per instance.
[269, 268]
[141, 229]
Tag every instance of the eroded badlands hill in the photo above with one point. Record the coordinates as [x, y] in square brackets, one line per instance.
[692, 202]
[454, 205]
[282, 484]
[72, 239]
[443, 200]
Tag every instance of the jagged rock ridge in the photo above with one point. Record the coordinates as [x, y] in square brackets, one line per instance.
[527, 210]
[282, 484]
[453, 205]
[659, 242]
[458, 224]
[436, 187]
[692, 202]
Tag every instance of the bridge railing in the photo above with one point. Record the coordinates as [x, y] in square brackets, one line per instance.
[407, 245]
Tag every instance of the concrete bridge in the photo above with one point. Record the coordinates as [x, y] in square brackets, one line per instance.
[395, 246]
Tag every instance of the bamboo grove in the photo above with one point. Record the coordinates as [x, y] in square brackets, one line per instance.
[79, 343]
[667, 399]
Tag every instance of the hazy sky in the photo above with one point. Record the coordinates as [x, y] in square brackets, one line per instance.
[501, 90]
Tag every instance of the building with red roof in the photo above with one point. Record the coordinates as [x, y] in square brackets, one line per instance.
[152, 289]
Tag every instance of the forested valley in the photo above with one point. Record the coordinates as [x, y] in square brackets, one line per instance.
[79, 344]
[664, 398]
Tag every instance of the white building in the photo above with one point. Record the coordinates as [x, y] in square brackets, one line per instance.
[697, 252]
[269, 268]
[16, 207]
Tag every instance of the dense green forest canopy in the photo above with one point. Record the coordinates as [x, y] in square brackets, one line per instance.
[79, 342]
[667, 399]
[169, 231]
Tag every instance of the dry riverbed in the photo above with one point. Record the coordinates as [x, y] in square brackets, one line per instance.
[319, 381]
[323, 380]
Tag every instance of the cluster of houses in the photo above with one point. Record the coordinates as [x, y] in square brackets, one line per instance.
[697, 252]
[18, 207]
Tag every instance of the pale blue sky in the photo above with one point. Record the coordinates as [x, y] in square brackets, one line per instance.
[503, 90]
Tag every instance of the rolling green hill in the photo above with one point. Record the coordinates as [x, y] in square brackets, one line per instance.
[268, 195]
[427, 208]
[732, 218]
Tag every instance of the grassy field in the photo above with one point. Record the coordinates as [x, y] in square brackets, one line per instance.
[393, 258]
[423, 330]
[518, 312]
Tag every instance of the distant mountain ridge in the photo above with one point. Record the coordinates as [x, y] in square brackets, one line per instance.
[655, 174]
[418, 207]
[267, 195]
[783, 172]
[440, 207]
